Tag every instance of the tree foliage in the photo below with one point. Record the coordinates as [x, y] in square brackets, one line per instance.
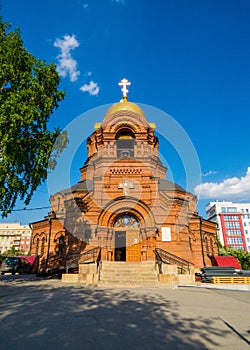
[242, 256]
[28, 96]
[13, 251]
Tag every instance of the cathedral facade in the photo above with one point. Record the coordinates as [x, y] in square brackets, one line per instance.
[123, 203]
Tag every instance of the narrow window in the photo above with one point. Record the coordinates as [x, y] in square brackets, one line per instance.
[42, 247]
[87, 234]
[206, 243]
[58, 203]
[190, 243]
[37, 246]
[212, 246]
[61, 245]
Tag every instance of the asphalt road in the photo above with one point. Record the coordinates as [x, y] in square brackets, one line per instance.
[46, 314]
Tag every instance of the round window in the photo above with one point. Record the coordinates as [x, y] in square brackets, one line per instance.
[126, 221]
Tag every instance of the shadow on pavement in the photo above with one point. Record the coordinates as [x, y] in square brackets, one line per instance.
[39, 316]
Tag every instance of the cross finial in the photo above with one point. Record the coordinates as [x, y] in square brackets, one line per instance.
[124, 83]
[126, 185]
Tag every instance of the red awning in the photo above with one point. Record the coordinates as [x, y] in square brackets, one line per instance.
[225, 261]
[31, 259]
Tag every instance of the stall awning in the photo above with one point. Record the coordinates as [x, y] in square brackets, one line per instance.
[225, 261]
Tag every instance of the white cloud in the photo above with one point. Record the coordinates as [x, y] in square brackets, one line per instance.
[122, 2]
[210, 172]
[233, 189]
[85, 5]
[92, 88]
[66, 64]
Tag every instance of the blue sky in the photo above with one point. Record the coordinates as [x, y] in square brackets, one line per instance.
[189, 59]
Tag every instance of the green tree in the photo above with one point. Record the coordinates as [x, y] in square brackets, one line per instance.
[28, 96]
[242, 256]
[13, 251]
[2, 257]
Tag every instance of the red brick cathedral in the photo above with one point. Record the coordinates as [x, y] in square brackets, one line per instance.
[123, 207]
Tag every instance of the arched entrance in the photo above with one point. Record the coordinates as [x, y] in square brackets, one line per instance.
[127, 238]
[124, 223]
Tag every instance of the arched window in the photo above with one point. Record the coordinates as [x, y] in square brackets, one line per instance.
[37, 246]
[42, 247]
[206, 244]
[126, 220]
[190, 243]
[212, 246]
[125, 144]
[61, 245]
[58, 203]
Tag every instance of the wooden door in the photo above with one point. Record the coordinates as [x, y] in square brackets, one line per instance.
[133, 247]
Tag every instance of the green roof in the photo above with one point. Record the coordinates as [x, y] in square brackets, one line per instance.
[83, 186]
[165, 185]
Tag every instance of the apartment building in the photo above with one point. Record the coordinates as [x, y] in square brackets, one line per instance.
[233, 221]
[15, 234]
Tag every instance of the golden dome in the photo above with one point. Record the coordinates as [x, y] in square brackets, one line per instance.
[124, 106]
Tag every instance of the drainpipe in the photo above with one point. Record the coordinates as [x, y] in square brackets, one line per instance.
[31, 238]
[48, 248]
[51, 216]
[202, 248]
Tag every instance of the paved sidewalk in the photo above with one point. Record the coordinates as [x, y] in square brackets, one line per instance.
[238, 286]
[47, 314]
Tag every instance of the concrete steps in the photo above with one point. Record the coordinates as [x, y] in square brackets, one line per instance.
[126, 274]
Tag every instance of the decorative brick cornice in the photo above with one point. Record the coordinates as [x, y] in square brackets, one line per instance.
[125, 171]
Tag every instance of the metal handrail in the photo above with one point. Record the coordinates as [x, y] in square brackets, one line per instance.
[52, 259]
[53, 263]
[95, 253]
[163, 256]
[92, 255]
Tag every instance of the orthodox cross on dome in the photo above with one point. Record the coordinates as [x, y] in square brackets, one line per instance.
[124, 83]
[126, 185]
